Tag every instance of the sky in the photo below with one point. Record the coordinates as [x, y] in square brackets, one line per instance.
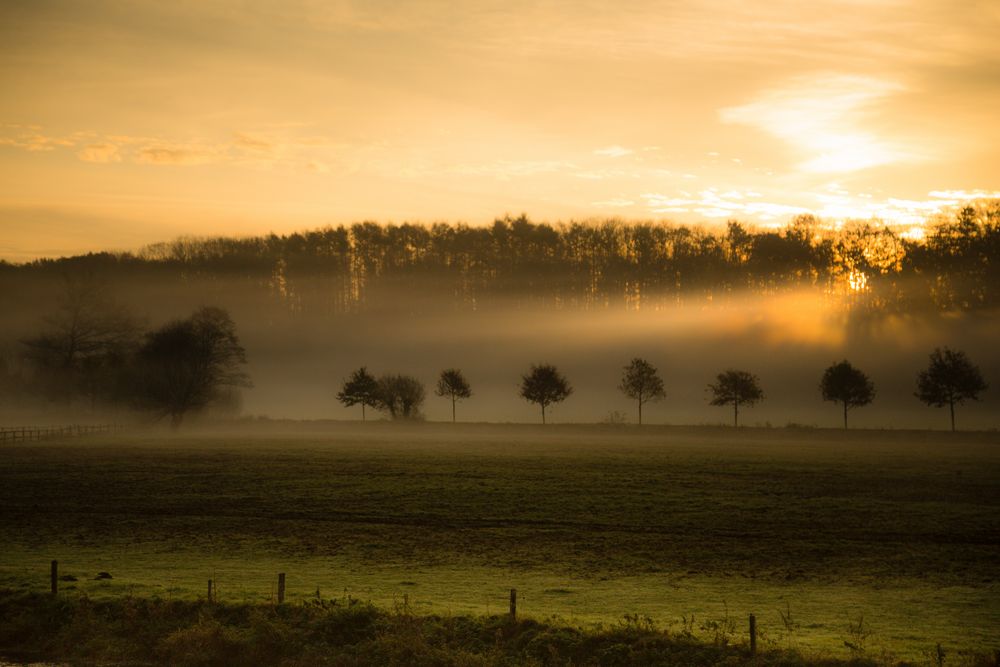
[128, 122]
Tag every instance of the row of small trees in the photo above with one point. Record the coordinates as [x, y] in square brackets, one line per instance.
[949, 380]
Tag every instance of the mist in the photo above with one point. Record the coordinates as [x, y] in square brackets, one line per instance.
[298, 358]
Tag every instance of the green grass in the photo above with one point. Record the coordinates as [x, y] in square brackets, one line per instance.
[589, 523]
[347, 633]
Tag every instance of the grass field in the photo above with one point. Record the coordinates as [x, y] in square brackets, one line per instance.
[888, 541]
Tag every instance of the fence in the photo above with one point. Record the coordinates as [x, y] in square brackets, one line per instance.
[27, 433]
[511, 614]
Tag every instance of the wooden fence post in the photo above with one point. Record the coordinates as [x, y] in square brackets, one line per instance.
[281, 587]
[54, 576]
[753, 636]
[513, 604]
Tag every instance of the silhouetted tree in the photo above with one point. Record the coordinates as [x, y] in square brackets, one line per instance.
[84, 342]
[401, 396]
[736, 388]
[950, 379]
[360, 389]
[845, 384]
[641, 383]
[453, 385]
[544, 385]
[188, 365]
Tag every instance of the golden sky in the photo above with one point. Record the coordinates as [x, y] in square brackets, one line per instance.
[132, 121]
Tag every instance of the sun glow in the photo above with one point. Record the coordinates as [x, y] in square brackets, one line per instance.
[857, 280]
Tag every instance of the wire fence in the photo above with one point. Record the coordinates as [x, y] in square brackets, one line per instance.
[10, 435]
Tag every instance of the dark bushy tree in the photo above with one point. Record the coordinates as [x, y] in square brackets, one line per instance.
[641, 383]
[453, 385]
[545, 385]
[950, 379]
[187, 365]
[845, 384]
[360, 389]
[736, 388]
[401, 396]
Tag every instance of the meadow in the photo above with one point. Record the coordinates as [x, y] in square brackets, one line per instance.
[873, 543]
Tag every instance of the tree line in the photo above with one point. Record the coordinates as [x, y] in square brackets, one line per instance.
[955, 266]
[950, 379]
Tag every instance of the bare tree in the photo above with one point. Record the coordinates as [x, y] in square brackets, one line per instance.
[736, 388]
[544, 385]
[950, 379]
[641, 383]
[401, 396]
[843, 383]
[88, 338]
[453, 385]
[360, 389]
[188, 365]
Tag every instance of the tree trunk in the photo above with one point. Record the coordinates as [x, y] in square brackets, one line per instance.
[543, 413]
[452, 409]
[362, 412]
[845, 415]
[951, 406]
[736, 414]
[640, 412]
[175, 420]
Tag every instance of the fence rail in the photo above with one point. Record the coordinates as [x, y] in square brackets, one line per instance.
[26, 433]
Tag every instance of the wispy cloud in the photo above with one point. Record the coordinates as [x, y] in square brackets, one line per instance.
[965, 195]
[30, 138]
[508, 169]
[174, 155]
[822, 117]
[244, 148]
[614, 151]
[613, 203]
[100, 153]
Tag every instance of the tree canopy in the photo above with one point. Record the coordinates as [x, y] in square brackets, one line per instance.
[401, 396]
[188, 365]
[453, 384]
[360, 389]
[950, 379]
[544, 385]
[85, 341]
[736, 388]
[641, 383]
[845, 384]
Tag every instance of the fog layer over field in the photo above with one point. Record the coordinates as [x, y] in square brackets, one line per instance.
[298, 358]
[787, 341]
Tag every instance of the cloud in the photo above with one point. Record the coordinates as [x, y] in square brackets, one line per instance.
[508, 169]
[253, 143]
[614, 151]
[244, 149]
[965, 195]
[101, 153]
[173, 155]
[710, 203]
[27, 137]
[613, 203]
[821, 116]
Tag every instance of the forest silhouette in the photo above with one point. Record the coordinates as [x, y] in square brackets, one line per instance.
[956, 266]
